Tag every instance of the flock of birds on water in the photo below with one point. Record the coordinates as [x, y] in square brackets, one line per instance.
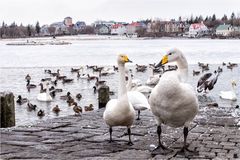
[166, 94]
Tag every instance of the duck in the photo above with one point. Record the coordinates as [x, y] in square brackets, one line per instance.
[45, 96]
[79, 96]
[41, 113]
[229, 95]
[56, 109]
[65, 97]
[31, 106]
[120, 112]
[67, 80]
[21, 100]
[55, 74]
[88, 108]
[77, 109]
[89, 78]
[196, 73]
[207, 82]
[173, 102]
[70, 100]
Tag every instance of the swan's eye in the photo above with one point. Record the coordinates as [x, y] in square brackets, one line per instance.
[169, 54]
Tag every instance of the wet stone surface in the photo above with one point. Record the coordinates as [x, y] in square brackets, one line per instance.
[214, 134]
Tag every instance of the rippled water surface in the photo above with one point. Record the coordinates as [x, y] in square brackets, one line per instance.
[17, 61]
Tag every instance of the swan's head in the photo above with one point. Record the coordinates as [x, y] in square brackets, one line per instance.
[171, 56]
[122, 59]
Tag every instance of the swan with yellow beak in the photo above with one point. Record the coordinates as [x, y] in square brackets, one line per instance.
[173, 102]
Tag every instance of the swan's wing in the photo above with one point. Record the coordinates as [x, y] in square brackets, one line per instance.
[138, 100]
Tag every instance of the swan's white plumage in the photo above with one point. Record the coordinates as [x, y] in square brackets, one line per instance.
[172, 101]
[138, 100]
[229, 95]
[45, 96]
[119, 112]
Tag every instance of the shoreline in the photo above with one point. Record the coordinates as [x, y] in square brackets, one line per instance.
[110, 37]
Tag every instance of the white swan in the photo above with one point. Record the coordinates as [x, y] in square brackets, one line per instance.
[174, 102]
[119, 112]
[230, 95]
[136, 98]
[45, 96]
[153, 79]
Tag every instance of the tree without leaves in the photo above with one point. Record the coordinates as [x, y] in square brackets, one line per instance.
[37, 28]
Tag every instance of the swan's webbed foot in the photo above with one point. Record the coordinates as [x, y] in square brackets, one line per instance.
[130, 143]
[161, 149]
[186, 152]
[110, 141]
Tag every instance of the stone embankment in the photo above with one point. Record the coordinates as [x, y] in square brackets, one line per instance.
[214, 134]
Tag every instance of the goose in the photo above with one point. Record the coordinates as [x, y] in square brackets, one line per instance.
[173, 102]
[136, 98]
[207, 82]
[30, 85]
[42, 90]
[230, 95]
[21, 100]
[31, 106]
[119, 112]
[45, 96]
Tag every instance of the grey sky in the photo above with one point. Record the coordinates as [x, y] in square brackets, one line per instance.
[48, 11]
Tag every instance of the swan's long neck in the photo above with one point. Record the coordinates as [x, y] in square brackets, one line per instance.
[122, 83]
[182, 68]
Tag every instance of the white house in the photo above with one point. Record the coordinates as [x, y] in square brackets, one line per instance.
[197, 29]
[118, 29]
[44, 30]
[224, 29]
[61, 28]
[102, 29]
[133, 27]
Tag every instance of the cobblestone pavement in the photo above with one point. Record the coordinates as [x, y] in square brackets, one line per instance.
[214, 134]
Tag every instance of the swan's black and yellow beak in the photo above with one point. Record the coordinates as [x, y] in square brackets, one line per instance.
[126, 59]
[163, 61]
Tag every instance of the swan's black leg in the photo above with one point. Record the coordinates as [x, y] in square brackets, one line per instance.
[185, 151]
[161, 149]
[138, 118]
[110, 131]
[129, 134]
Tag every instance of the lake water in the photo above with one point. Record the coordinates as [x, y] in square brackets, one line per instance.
[17, 61]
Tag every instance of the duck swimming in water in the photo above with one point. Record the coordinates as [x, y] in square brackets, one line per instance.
[21, 100]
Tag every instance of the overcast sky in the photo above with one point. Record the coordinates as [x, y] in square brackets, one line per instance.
[49, 11]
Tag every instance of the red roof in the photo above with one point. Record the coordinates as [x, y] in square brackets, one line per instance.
[135, 24]
[197, 25]
[115, 26]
